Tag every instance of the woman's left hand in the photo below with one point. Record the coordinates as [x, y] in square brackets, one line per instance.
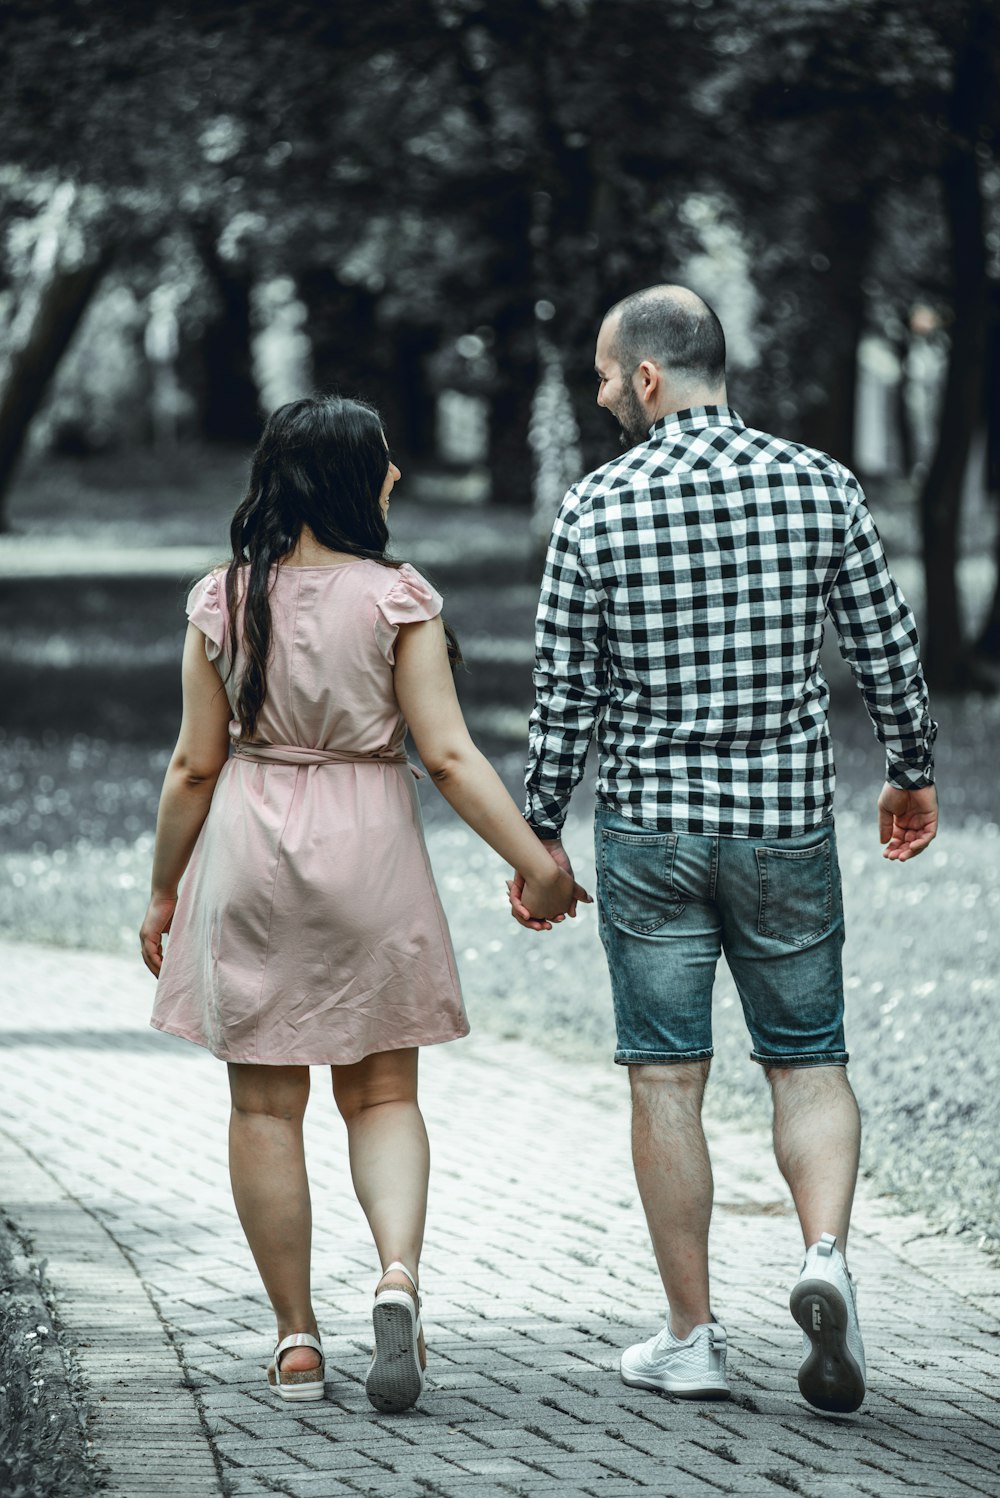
[159, 914]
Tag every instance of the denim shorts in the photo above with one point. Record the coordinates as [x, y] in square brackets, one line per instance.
[670, 902]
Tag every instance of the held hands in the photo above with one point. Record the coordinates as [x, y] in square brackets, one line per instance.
[537, 907]
[907, 821]
[159, 914]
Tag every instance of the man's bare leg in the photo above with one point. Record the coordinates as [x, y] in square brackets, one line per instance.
[674, 1175]
[817, 1142]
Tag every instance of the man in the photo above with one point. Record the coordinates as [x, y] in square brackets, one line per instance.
[681, 615]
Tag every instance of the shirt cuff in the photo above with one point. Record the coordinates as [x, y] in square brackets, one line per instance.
[546, 834]
[909, 777]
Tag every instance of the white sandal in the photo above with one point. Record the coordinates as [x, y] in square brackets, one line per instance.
[298, 1383]
[396, 1379]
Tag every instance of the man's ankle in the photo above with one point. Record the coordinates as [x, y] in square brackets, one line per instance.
[682, 1326]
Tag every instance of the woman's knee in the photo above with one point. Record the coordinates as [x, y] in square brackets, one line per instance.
[269, 1091]
[386, 1077]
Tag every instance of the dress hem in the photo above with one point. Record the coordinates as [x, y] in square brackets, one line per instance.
[314, 1061]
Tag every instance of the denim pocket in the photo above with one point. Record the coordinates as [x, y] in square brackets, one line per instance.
[796, 893]
[636, 878]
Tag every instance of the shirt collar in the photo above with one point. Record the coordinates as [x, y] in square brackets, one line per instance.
[694, 419]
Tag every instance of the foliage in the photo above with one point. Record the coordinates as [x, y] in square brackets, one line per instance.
[432, 173]
[41, 1444]
[461, 161]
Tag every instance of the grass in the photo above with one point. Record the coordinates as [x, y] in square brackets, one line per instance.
[43, 1450]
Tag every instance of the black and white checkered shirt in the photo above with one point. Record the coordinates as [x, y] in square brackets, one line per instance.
[681, 615]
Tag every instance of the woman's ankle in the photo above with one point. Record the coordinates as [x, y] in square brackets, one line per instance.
[289, 1326]
[398, 1277]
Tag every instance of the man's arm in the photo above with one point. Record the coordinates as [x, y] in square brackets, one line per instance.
[878, 639]
[570, 679]
[570, 676]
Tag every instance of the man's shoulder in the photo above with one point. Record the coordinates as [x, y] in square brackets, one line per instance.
[722, 448]
[617, 473]
[759, 446]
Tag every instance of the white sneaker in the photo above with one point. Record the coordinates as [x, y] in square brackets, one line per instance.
[692, 1369]
[832, 1376]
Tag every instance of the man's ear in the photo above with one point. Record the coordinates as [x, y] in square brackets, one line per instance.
[650, 381]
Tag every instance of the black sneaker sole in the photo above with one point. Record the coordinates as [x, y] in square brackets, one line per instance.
[830, 1378]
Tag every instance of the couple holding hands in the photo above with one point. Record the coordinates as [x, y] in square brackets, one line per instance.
[686, 588]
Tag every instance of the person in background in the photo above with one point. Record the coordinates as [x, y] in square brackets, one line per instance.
[686, 589]
[308, 930]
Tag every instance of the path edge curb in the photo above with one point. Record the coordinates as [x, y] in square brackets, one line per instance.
[96, 1287]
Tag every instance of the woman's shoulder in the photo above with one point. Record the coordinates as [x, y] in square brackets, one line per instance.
[390, 583]
[408, 596]
[206, 609]
[211, 588]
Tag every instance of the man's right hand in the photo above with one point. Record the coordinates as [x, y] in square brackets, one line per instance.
[907, 821]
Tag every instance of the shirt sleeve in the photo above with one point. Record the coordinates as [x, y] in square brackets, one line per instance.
[570, 675]
[878, 639]
[206, 610]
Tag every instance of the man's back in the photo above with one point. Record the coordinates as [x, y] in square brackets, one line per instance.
[686, 590]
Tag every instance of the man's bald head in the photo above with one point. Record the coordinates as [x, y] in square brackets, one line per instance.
[675, 328]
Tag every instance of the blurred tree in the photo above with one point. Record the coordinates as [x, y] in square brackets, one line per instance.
[843, 103]
[457, 185]
[988, 642]
[127, 106]
[61, 272]
[971, 119]
[228, 405]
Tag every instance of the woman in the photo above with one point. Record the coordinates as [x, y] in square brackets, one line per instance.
[308, 930]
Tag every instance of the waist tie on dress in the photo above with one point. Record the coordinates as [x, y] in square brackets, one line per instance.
[298, 754]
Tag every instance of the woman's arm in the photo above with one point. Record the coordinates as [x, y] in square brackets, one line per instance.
[426, 695]
[201, 751]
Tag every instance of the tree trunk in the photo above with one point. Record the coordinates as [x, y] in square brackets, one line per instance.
[515, 355]
[30, 367]
[988, 643]
[901, 412]
[416, 436]
[230, 400]
[945, 655]
[354, 355]
[509, 452]
[832, 361]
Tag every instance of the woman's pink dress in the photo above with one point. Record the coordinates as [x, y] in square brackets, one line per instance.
[308, 928]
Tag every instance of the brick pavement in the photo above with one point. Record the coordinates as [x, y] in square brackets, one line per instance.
[537, 1271]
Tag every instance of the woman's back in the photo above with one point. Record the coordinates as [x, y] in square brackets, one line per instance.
[333, 633]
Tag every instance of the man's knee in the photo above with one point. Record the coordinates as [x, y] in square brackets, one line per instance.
[808, 1078]
[679, 1082]
[806, 1089]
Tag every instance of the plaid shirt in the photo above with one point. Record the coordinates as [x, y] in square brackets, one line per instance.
[686, 587]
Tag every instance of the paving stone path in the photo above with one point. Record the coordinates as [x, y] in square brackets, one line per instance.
[537, 1271]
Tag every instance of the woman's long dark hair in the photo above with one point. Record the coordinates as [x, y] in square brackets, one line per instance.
[320, 462]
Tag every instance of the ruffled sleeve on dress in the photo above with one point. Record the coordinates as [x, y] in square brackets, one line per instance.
[410, 600]
[206, 609]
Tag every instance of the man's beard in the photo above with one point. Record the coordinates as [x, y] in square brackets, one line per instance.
[633, 422]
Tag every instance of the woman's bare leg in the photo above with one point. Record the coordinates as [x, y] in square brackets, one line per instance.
[390, 1158]
[271, 1190]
